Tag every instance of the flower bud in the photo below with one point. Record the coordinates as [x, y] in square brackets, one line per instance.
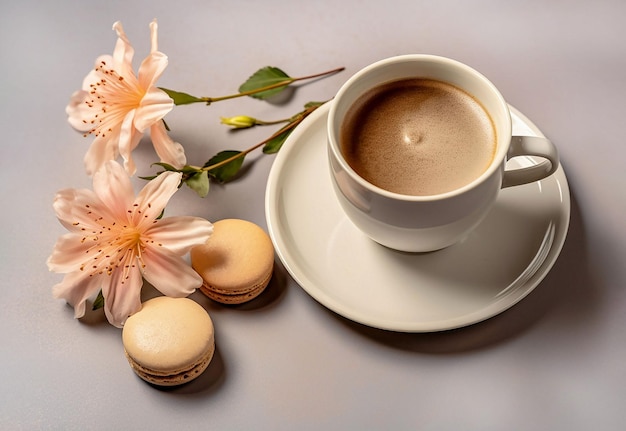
[239, 122]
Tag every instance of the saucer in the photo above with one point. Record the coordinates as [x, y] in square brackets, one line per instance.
[495, 267]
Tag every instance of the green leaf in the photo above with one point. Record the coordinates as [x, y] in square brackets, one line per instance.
[181, 98]
[264, 77]
[165, 166]
[98, 302]
[199, 182]
[227, 171]
[189, 170]
[274, 144]
[313, 105]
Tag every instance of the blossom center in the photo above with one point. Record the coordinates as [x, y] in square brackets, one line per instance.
[110, 98]
[115, 247]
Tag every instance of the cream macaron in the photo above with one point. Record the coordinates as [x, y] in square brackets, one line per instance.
[170, 341]
[236, 263]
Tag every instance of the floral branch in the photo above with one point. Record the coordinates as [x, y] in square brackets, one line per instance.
[275, 141]
[225, 165]
[245, 122]
[263, 84]
[117, 239]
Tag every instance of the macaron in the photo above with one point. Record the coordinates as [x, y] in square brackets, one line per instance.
[236, 263]
[170, 341]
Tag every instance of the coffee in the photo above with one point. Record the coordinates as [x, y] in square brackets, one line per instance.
[418, 137]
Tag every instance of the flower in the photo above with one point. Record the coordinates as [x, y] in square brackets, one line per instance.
[116, 238]
[117, 107]
[239, 122]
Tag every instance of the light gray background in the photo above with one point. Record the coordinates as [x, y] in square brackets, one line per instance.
[555, 361]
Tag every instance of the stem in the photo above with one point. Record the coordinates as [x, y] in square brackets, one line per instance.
[297, 119]
[269, 123]
[284, 83]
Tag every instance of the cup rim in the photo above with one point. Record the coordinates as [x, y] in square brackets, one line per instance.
[496, 163]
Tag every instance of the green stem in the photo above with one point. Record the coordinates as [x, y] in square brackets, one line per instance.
[295, 120]
[286, 82]
[270, 123]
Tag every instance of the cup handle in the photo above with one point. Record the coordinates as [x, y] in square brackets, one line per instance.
[531, 146]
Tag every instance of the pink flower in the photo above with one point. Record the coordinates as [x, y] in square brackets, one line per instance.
[118, 107]
[116, 238]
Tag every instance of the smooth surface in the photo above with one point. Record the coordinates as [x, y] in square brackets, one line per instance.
[170, 341]
[237, 259]
[168, 345]
[554, 361]
[497, 265]
[399, 216]
[407, 222]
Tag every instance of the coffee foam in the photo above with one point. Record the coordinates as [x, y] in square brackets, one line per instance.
[418, 137]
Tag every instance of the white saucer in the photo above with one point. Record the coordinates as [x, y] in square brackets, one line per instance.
[500, 263]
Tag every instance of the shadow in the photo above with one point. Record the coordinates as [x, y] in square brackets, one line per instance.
[244, 170]
[213, 378]
[284, 97]
[269, 298]
[272, 294]
[577, 284]
[504, 226]
[566, 297]
[96, 321]
[206, 384]
[148, 291]
[92, 317]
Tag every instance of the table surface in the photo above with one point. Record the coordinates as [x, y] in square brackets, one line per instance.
[553, 361]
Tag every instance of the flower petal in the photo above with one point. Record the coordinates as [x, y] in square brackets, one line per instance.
[155, 195]
[123, 52]
[93, 77]
[101, 151]
[167, 149]
[178, 234]
[79, 209]
[78, 112]
[154, 64]
[154, 27]
[151, 69]
[154, 105]
[122, 296]
[169, 273]
[69, 254]
[76, 288]
[113, 187]
[129, 139]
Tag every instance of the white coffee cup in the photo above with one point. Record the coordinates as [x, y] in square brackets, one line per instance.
[427, 223]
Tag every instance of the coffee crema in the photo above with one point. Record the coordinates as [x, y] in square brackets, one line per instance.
[418, 137]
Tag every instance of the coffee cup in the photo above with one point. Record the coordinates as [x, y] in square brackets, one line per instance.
[417, 148]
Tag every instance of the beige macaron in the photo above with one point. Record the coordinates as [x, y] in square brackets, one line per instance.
[170, 341]
[236, 263]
